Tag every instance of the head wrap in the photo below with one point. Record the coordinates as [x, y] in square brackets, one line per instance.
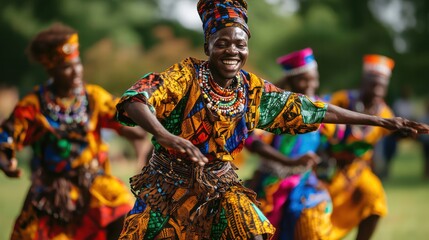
[218, 14]
[298, 62]
[62, 53]
[378, 63]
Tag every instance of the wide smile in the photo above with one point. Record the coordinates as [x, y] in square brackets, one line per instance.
[231, 64]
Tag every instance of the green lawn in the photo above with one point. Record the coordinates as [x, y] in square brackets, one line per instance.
[407, 193]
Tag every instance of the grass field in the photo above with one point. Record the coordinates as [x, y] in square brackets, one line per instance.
[408, 197]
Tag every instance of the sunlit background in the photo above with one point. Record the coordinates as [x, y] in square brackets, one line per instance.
[122, 40]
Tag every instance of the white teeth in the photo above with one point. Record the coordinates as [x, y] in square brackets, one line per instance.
[230, 62]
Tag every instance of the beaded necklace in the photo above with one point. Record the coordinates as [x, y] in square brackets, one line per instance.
[229, 101]
[76, 113]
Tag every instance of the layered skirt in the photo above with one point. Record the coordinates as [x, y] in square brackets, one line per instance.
[177, 199]
[298, 205]
[77, 205]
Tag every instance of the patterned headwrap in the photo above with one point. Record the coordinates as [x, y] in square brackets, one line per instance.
[378, 63]
[297, 62]
[218, 14]
[64, 52]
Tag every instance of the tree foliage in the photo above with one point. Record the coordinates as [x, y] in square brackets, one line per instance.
[123, 39]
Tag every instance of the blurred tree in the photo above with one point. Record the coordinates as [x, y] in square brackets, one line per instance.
[22, 19]
[340, 33]
[413, 65]
[122, 39]
[118, 67]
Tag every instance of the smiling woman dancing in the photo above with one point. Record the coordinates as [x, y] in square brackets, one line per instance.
[200, 114]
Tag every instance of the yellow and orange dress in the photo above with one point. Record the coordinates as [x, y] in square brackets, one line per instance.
[72, 193]
[355, 190]
[177, 199]
[294, 200]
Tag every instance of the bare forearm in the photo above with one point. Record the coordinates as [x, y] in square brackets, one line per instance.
[270, 153]
[132, 133]
[340, 115]
[141, 115]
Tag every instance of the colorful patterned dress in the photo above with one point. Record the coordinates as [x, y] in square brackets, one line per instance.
[355, 191]
[295, 203]
[72, 193]
[177, 199]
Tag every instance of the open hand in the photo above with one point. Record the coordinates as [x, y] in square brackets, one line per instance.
[407, 127]
[10, 168]
[182, 145]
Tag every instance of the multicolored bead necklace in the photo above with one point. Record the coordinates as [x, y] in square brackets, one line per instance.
[227, 101]
[74, 114]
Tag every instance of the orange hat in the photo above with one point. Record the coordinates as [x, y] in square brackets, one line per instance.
[378, 63]
[65, 52]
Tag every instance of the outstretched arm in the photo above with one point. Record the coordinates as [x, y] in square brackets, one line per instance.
[140, 114]
[270, 153]
[339, 115]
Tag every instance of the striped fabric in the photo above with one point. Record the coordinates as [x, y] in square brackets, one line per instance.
[218, 14]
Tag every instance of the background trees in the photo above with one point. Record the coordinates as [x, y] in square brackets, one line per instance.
[121, 40]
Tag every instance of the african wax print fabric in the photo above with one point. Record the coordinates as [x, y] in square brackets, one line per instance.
[355, 191]
[218, 14]
[72, 194]
[173, 193]
[288, 199]
[175, 98]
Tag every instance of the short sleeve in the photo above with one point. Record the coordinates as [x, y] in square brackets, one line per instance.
[104, 105]
[160, 91]
[287, 112]
[22, 127]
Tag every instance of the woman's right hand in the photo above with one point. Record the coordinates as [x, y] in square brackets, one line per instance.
[170, 141]
[9, 167]
[141, 115]
[309, 160]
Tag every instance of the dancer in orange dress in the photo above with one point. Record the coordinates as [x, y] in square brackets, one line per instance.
[357, 194]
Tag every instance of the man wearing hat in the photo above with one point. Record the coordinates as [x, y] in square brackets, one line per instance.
[357, 194]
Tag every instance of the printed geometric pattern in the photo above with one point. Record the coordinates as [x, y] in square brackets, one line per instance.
[176, 97]
[57, 152]
[155, 225]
